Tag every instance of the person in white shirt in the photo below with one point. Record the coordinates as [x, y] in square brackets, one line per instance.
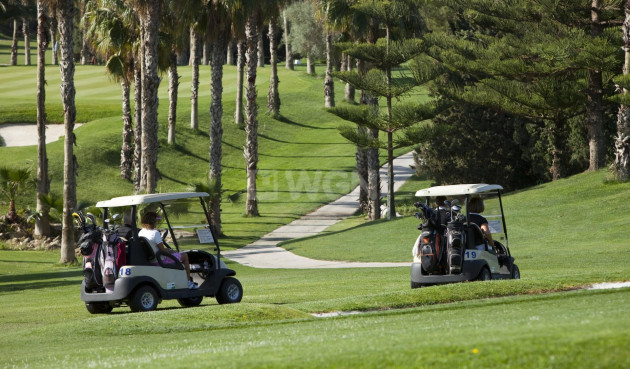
[148, 231]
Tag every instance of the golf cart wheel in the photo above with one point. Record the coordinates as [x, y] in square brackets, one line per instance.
[516, 273]
[98, 307]
[416, 285]
[484, 275]
[190, 301]
[230, 292]
[144, 299]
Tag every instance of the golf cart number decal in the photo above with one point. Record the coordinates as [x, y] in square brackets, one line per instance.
[471, 255]
[125, 272]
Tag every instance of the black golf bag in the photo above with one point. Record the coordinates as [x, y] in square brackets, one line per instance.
[455, 246]
[431, 248]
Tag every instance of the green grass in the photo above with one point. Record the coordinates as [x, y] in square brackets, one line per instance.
[451, 326]
[574, 226]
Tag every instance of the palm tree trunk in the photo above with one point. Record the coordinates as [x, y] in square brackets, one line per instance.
[349, 91]
[621, 165]
[86, 53]
[310, 64]
[373, 164]
[27, 42]
[374, 179]
[194, 88]
[126, 152]
[150, 100]
[273, 97]
[14, 44]
[261, 51]
[251, 127]
[66, 30]
[361, 166]
[595, 104]
[229, 57]
[173, 88]
[137, 132]
[53, 39]
[216, 127]
[288, 62]
[207, 51]
[329, 84]
[42, 223]
[240, 65]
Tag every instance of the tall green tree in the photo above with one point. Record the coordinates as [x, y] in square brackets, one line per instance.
[621, 163]
[252, 32]
[385, 55]
[521, 58]
[150, 13]
[42, 223]
[66, 13]
[112, 28]
[307, 35]
[220, 24]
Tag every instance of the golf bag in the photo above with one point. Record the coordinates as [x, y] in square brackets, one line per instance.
[431, 247]
[112, 256]
[90, 245]
[455, 246]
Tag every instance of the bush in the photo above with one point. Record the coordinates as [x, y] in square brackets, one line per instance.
[482, 146]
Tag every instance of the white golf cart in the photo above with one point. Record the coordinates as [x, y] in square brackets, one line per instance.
[119, 271]
[451, 248]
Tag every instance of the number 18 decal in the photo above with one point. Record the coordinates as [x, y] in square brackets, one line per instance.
[125, 271]
[471, 255]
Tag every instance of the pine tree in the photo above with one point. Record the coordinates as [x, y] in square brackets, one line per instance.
[379, 82]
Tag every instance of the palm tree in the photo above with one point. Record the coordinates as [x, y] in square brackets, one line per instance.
[219, 34]
[250, 153]
[150, 12]
[288, 62]
[27, 37]
[42, 223]
[66, 63]
[113, 28]
[13, 181]
[240, 65]
[194, 89]
[273, 97]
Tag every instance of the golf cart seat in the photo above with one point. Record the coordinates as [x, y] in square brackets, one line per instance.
[475, 237]
[141, 253]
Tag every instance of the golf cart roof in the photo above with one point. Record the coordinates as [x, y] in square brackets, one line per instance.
[148, 199]
[461, 189]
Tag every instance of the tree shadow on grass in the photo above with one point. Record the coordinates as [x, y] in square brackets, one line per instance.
[294, 123]
[36, 281]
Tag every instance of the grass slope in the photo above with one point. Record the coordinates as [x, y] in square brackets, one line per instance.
[569, 230]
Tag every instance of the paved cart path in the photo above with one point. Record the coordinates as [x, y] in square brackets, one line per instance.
[264, 253]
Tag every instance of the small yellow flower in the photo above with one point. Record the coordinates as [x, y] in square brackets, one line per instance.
[475, 351]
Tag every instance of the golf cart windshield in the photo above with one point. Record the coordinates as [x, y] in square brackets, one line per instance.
[182, 216]
[458, 195]
[492, 213]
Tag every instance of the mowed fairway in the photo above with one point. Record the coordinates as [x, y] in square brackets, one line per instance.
[564, 235]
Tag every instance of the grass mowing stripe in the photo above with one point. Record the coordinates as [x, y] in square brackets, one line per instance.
[525, 332]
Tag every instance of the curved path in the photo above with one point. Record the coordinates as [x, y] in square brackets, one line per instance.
[264, 253]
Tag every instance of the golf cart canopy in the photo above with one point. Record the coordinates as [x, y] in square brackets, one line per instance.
[148, 199]
[454, 190]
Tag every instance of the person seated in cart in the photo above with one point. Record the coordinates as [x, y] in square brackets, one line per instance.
[475, 208]
[148, 231]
